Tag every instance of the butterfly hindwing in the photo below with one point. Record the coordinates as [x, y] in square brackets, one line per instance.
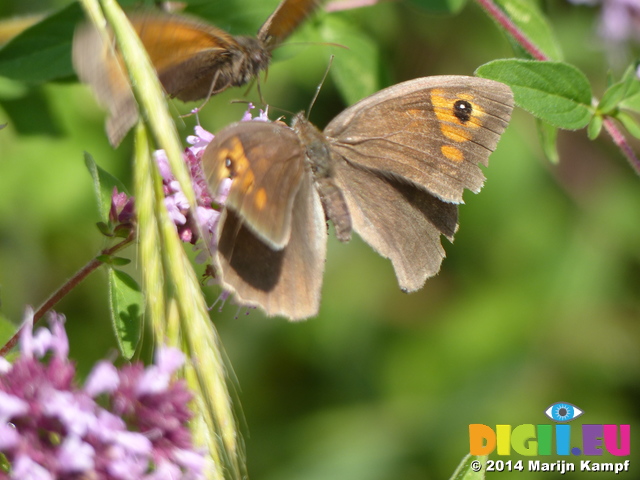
[284, 281]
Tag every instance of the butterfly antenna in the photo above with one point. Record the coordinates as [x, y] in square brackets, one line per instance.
[319, 87]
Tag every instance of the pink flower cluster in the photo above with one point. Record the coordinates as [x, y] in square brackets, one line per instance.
[128, 423]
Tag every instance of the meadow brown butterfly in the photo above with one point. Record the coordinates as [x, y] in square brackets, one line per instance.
[193, 59]
[392, 168]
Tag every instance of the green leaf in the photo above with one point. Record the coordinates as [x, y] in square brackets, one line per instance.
[104, 229]
[628, 87]
[43, 52]
[528, 18]
[440, 6]
[555, 92]
[7, 330]
[612, 97]
[631, 99]
[355, 70]
[20, 110]
[549, 140]
[471, 468]
[103, 183]
[595, 126]
[120, 261]
[127, 307]
[113, 260]
[630, 123]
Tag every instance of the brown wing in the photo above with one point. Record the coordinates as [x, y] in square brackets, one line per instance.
[286, 18]
[186, 53]
[284, 282]
[266, 164]
[402, 158]
[400, 221]
[98, 65]
[431, 131]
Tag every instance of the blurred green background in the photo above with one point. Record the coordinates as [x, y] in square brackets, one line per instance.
[538, 300]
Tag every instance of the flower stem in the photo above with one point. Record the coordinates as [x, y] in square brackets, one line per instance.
[69, 285]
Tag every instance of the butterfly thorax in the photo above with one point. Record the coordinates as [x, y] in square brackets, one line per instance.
[318, 153]
[249, 59]
[318, 156]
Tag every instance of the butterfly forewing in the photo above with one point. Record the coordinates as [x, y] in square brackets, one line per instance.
[266, 164]
[430, 131]
[286, 18]
[185, 52]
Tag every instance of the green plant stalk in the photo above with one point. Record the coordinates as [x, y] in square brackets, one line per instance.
[177, 309]
[150, 243]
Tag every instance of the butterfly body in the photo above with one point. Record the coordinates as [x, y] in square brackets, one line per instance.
[392, 168]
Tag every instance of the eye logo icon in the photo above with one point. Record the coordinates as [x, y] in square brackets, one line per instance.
[563, 412]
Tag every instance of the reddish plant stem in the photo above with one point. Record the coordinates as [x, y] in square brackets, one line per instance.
[499, 16]
[66, 288]
[622, 143]
[494, 11]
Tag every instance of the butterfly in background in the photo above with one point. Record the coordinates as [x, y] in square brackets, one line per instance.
[391, 167]
[193, 59]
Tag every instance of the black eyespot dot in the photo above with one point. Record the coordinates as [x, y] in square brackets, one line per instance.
[462, 110]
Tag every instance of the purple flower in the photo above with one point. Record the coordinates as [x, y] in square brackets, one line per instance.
[619, 19]
[50, 428]
[121, 211]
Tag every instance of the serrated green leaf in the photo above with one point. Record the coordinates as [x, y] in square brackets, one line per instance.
[532, 22]
[549, 140]
[471, 468]
[595, 126]
[103, 183]
[355, 70]
[630, 123]
[127, 307]
[43, 52]
[555, 92]
[440, 6]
